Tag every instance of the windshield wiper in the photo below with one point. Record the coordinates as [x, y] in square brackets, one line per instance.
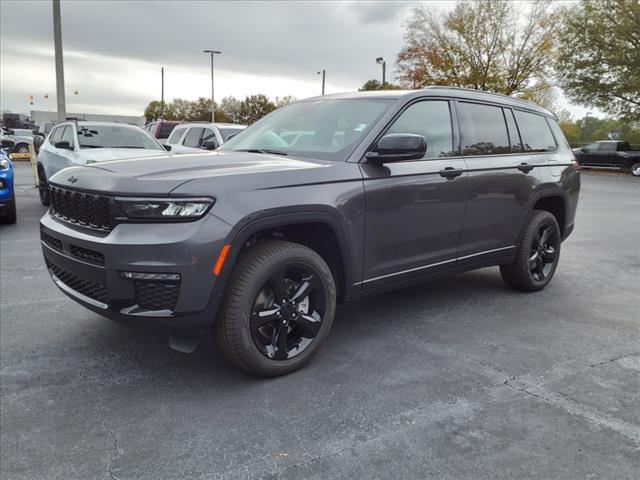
[263, 150]
[125, 146]
[90, 146]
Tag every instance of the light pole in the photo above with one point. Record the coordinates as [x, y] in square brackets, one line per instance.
[57, 41]
[584, 127]
[323, 72]
[381, 61]
[213, 103]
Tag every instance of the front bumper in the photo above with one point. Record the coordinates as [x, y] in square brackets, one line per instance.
[6, 185]
[89, 267]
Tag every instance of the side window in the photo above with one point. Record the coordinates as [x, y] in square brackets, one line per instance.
[483, 129]
[193, 138]
[166, 129]
[607, 147]
[431, 119]
[175, 135]
[209, 135]
[514, 136]
[535, 132]
[67, 135]
[55, 135]
[592, 147]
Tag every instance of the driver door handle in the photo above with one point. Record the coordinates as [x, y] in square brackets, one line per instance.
[451, 172]
[525, 167]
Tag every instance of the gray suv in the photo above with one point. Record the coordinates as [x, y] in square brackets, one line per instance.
[323, 201]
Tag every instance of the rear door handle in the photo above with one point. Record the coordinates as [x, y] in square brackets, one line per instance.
[451, 172]
[525, 167]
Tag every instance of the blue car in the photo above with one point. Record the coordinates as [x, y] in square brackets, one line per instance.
[7, 195]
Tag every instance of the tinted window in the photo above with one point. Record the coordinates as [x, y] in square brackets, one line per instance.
[209, 135]
[535, 132]
[484, 131]
[226, 132]
[55, 135]
[328, 129]
[175, 135]
[193, 138]
[166, 129]
[67, 135]
[432, 120]
[115, 136]
[607, 147]
[514, 136]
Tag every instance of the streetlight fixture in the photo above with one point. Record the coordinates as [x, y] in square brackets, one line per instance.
[213, 104]
[381, 61]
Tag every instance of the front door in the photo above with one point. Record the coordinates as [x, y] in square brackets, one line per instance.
[415, 209]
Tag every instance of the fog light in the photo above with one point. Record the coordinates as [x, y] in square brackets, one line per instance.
[161, 277]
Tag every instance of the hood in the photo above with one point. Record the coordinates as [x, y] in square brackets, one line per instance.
[206, 173]
[106, 154]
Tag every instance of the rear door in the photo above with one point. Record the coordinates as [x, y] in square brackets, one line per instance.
[502, 177]
[415, 209]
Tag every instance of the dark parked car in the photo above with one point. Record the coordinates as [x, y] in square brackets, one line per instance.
[7, 193]
[609, 154]
[261, 238]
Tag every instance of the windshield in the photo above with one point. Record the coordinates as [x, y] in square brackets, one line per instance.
[323, 129]
[228, 131]
[115, 136]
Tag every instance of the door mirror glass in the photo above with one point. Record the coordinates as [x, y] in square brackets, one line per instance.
[210, 144]
[166, 147]
[398, 147]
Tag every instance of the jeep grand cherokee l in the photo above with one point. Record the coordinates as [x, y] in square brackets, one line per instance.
[261, 238]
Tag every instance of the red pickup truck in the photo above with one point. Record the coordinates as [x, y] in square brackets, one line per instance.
[609, 154]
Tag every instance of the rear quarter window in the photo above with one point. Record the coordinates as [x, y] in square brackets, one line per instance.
[175, 135]
[535, 132]
[166, 129]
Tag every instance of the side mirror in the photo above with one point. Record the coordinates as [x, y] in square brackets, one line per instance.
[210, 144]
[166, 147]
[64, 145]
[398, 147]
[8, 143]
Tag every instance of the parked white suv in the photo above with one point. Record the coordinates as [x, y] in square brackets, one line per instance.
[79, 143]
[193, 137]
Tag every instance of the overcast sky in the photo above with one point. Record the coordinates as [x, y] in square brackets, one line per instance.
[113, 50]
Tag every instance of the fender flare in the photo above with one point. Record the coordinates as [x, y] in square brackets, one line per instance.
[254, 223]
[544, 192]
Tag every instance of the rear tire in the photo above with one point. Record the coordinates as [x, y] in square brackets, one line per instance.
[537, 255]
[635, 169]
[10, 215]
[278, 308]
[43, 188]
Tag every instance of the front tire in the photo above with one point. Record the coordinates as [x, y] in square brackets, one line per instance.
[278, 308]
[537, 255]
[43, 188]
[635, 169]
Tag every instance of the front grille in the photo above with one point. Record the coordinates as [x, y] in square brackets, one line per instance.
[87, 255]
[85, 287]
[82, 208]
[156, 295]
[51, 241]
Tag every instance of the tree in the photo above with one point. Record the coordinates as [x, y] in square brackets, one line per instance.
[254, 107]
[599, 55]
[154, 111]
[180, 109]
[493, 45]
[282, 101]
[200, 110]
[376, 85]
[230, 106]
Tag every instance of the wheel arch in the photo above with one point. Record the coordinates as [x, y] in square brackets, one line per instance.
[319, 230]
[554, 201]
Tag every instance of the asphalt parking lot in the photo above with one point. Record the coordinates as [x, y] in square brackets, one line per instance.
[462, 378]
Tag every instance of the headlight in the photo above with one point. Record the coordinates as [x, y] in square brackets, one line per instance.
[4, 163]
[151, 208]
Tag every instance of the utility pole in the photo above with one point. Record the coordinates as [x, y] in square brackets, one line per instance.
[213, 103]
[323, 72]
[162, 94]
[57, 41]
[381, 61]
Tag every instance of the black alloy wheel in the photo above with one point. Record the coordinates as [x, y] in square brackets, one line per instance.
[287, 312]
[537, 254]
[543, 253]
[43, 188]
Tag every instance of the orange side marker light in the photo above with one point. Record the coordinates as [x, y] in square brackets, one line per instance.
[221, 258]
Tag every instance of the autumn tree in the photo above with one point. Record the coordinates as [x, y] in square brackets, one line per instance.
[376, 85]
[599, 55]
[254, 107]
[154, 111]
[200, 110]
[493, 45]
[282, 101]
[230, 106]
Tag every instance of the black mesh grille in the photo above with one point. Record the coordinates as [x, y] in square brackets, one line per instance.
[88, 255]
[51, 241]
[82, 208]
[156, 295]
[85, 287]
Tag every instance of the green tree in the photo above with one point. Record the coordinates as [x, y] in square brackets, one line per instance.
[254, 107]
[599, 56]
[154, 111]
[493, 45]
[200, 110]
[376, 85]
